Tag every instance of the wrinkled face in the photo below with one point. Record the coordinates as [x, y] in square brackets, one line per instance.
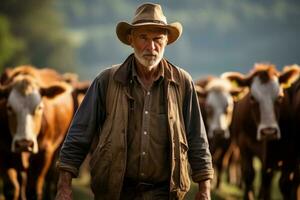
[266, 97]
[148, 44]
[219, 107]
[25, 112]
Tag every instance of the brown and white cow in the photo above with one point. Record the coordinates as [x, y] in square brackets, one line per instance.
[39, 113]
[45, 76]
[12, 165]
[290, 126]
[255, 122]
[216, 97]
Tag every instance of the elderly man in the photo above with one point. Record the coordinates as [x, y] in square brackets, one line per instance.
[145, 119]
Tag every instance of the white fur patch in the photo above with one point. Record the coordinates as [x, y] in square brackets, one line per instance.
[265, 94]
[23, 108]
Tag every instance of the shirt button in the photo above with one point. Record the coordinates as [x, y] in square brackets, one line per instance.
[146, 112]
[145, 132]
[143, 153]
[148, 93]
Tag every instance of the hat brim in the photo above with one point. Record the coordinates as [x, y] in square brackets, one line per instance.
[123, 29]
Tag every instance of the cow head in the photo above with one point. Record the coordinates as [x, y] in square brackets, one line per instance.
[265, 96]
[25, 108]
[217, 96]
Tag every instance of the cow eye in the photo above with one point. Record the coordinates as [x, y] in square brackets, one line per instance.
[9, 109]
[279, 99]
[209, 110]
[39, 108]
[226, 109]
[252, 99]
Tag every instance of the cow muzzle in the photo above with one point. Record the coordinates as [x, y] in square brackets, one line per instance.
[220, 133]
[269, 133]
[24, 145]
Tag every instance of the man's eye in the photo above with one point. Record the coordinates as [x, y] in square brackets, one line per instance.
[159, 40]
[143, 37]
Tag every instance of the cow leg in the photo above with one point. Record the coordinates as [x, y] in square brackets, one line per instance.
[23, 185]
[235, 167]
[40, 164]
[217, 160]
[248, 175]
[41, 178]
[285, 185]
[51, 179]
[226, 161]
[11, 186]
[265, 189]
[219, 169]
[288, 180]
[231, 162]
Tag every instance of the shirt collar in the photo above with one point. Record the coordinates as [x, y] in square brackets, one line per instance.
[160, 74]
[125, 72]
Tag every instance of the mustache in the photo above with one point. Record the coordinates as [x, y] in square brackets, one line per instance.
[147, 53]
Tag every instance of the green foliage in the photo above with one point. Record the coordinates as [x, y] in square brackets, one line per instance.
[9, 44]
[32, 32]
[217, 36]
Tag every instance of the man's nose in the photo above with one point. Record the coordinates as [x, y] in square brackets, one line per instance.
[151, 45]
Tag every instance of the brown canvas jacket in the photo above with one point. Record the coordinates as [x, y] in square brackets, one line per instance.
[188, 142]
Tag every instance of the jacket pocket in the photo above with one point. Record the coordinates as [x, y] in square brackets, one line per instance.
[100, 167]
[184, 172]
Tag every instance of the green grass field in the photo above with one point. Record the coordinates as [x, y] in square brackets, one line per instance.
[81, 189]
[226, 191]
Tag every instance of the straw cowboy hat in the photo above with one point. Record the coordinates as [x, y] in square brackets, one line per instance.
[149, 14]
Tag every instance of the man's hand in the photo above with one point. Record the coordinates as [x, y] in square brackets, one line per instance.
[64, 186]
[204, 190]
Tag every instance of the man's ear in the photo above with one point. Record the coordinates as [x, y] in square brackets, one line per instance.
[129, 38]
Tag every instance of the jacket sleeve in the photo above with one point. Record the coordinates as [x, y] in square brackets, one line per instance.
[198, 154]
[86, 124]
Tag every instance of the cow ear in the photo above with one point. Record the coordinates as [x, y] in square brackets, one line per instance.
[202, 82]
[81, 87]
[238, 93]
[235, 92]
[52, 91]
[201, 93]
[70, 77]
[4, 91]
[236, 78]
[5, 75]
[289, 74]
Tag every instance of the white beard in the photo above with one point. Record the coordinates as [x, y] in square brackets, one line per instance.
[149, 62]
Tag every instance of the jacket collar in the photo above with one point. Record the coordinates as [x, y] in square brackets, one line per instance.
[124, 72]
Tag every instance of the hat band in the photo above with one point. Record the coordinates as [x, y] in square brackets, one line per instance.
[149, 20]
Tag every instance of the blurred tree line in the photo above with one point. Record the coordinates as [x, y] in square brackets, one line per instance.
[32, 32]
[79, 35]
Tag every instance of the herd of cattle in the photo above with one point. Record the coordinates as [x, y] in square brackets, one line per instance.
[246, 116]
[36, 108]
[255, 115]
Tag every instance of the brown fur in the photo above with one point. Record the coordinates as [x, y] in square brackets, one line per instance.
[57, 116]
[219, 146]
[245, 124]
[290, 128]
[44, 76]
[265, 71]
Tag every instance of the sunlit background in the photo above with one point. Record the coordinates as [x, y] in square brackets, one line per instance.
[218, 35]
